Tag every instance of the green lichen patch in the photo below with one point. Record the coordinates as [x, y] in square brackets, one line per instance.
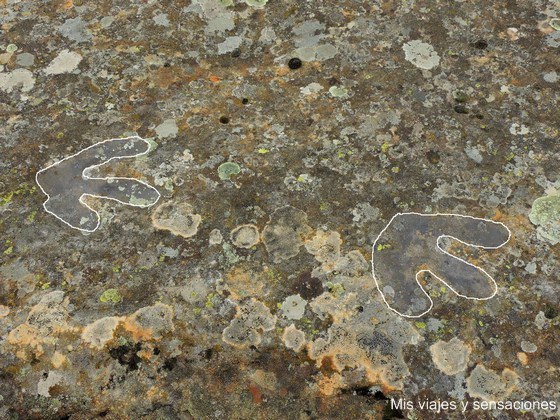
[545, 213]
[227, 170]
[338, 91]
[110, 296]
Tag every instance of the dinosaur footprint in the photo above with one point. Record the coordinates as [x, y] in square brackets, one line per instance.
[66, 183]
[411, 244]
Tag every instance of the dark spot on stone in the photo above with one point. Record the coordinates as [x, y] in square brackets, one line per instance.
[170, 364]
[157, 351]
[460, 109]
[126, 355]
[307, 287]
[479, 116]
[390, 413]
[236, 53]
[433, 157]
[481, 44]
[380, 396]
[224, 120]
[363, 391]
[461, 97]
[294, 63]
[103, 413]
[360, 309]
[550, 312]
[167, 65]
[244, 101]
[333, 81]
[207, 354]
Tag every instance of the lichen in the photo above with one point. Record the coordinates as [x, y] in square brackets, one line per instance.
[245, 236]
[489, 386]
[257, 4]
[251, 320]
[545, 213]
[284, 234]
[293, 307]
[110, 296]
[293, 338]
[227, 170]
[178, 218]
[450, 357]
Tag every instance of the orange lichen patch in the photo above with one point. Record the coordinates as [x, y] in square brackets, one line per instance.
[281, 71]
[343, 350]
[156, 393]
[214, 79]
[242, 283]
[265, 380]
[145, 324]
[98, 333]
[164, 77]
[26, 336]
[255, 393]
[523, 358]
[58, 360]
[330, 385]
[138, 332]
[145, 353]
[68, 4]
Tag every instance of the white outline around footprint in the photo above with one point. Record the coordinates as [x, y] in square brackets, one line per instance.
[86, 177]
[445, 252]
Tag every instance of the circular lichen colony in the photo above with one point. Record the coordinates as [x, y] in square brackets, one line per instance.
[245, 236]
[545, 213]
[227, 170]
[178, 218]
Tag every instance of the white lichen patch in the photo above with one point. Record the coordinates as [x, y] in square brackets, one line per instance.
[489, 386]
[325, 246]
[251, 320]
[284, 234]
[245, 236]
[215, 237]
[518, 129]
[65, 62]
[450, 357]
[178, 218]
[100, 332]
[421, 54]
[293, 338]
[168, 128]
[45, 384]
[151, 322]
[528, 347]
[18, 79]
[257, 4]
[311, 89]
[293, 307]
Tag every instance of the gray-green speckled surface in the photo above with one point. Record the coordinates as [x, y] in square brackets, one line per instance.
[246, 292]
